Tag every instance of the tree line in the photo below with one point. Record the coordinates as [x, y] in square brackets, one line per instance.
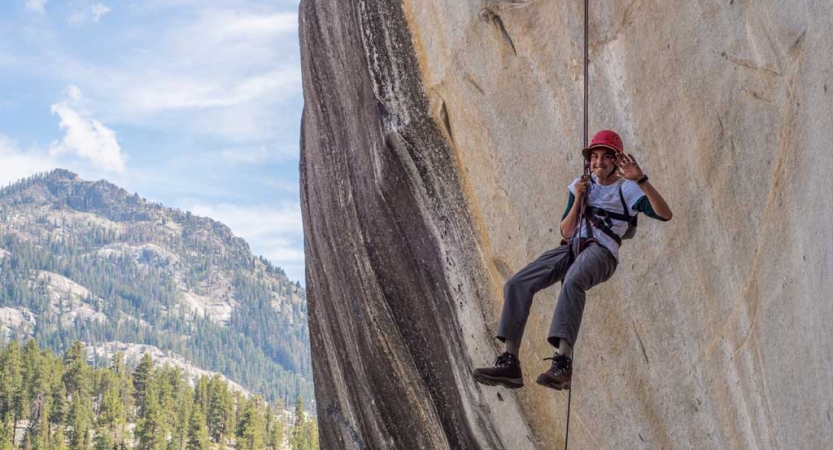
[53, 403]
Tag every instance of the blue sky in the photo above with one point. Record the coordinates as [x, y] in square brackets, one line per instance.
[192, 103]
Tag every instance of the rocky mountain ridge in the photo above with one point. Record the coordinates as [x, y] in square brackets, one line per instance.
[107, 266]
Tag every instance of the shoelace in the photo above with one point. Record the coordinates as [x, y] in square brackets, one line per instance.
[503, 360]
[560, 363]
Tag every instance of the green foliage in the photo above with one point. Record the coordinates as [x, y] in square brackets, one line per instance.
[197, 432]
[141, 380]
[251, 427]
[151, 431]
[220, 410]
[11, 383]
[101, 409]
[304, 435]
[274, 428]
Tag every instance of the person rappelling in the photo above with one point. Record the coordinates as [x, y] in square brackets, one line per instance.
[602, 210]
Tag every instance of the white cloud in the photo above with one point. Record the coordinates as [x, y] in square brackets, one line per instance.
[98, 11]
[86, 137]
[275, 232]
[92, 13]
[19, 163]
[225, 25]
[219, 72]
[152, 93]
[77, 17]
[36, 6]
[73, 93]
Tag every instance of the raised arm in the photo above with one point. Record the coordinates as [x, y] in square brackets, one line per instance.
[630, 170]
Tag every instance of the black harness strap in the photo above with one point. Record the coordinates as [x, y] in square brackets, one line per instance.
[601, 226]
[624, 204]
[598, 215]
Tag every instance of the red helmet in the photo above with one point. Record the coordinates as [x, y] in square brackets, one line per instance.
[604, 139]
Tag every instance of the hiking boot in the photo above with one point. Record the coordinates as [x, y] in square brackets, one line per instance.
[559, 374]
[505, 372]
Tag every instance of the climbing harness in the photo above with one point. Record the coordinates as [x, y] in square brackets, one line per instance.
[601, 219]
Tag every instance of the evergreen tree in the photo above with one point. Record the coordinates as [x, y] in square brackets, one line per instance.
[311, 430]
[43, 381]
[31, 363]
[298, 440]
[104, 441]
[201, 395]
[78, 373]
[59, 441]
[79, 422]
[274, 427]
[220, 410]
[77, 382]
[150, 431]
[251, 428]
[39, 426]
[197, 432]
[141, 379]
[11, 383]
[115, 400]
[6, 436]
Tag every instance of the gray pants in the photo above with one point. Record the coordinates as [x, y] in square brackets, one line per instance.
[593, 266]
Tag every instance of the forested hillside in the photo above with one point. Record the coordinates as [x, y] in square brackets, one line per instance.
[49, 402]
[89, 261]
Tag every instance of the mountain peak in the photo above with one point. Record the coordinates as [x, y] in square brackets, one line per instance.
[62, 174]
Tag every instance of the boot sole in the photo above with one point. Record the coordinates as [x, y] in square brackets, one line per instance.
[509, 383]
[556, 386]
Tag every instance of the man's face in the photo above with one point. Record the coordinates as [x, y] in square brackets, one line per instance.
[601, 162]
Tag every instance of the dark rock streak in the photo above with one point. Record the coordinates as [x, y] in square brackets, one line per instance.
[385, 219]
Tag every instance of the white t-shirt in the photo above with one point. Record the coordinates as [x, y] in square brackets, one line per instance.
[607, 198]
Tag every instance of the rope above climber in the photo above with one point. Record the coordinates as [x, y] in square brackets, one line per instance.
[601, 211]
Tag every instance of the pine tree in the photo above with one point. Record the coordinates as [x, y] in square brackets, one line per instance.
[251, 428]
[31, 363]
[43, 382]
[39, 428]
[274, 427]
[11, 383]
[103, 441]
[59, 441]
[79, 421]
[78, 373]
[298, 440]
[6, 436]
[220, 410]
[197, 432]
[141, 378]
[150, 431]
[112, 416]
[201, 395]
[124, 387]
[77, 382]
[312, 434]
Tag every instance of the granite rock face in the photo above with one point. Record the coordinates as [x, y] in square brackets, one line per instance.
[438, 140]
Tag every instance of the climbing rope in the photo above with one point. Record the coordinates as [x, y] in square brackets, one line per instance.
[585, 142]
